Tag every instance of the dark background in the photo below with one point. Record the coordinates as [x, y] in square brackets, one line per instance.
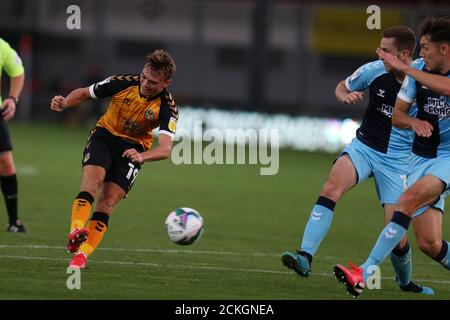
[257, 55]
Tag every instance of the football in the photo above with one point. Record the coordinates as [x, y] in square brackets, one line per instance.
[184, 226]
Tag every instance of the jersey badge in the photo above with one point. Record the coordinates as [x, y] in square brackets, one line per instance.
[172, 124]
[150, 115]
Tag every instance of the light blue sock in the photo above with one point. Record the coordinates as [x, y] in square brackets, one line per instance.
[388, 239]
[402, 265]
[318, 225]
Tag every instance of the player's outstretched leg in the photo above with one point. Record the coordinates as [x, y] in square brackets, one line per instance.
[342, 177]
[81, 210]
[402, 262]
[97, 228]
[316, 229]
[354, 278]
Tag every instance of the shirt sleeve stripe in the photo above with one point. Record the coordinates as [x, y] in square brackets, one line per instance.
[168, 133]
[91, 92]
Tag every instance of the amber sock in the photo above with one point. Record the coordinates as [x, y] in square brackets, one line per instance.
[97, 227]
[81, 210]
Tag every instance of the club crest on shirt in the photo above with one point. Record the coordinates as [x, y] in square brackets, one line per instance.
[172, 124]
[150, 115]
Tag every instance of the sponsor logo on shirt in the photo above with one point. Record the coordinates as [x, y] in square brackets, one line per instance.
[387, 110]
[437, 106]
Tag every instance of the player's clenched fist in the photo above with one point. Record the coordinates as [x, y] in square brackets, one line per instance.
[58, 103]
[422, 128]
[133, 155]
[354, 97]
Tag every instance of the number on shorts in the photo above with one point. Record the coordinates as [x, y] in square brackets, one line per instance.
[133, 172]
[404, 178]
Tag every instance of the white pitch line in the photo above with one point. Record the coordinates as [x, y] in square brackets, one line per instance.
[164, 266]
[26, 170]
[186, 251]
[198, 267]
[147, 264]
[151, 250]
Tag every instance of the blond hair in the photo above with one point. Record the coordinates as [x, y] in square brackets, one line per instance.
[161, 61]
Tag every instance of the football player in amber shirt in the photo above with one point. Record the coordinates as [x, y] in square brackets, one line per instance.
[119, 144]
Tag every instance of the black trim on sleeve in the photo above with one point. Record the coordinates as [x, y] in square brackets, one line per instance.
[167, 111]
[114, 84]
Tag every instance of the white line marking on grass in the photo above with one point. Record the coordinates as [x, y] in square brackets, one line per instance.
[328, 275]
[26, 170]
[147, 264]
[232, 253]
[150, 250]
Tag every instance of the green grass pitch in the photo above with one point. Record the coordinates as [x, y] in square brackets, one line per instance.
[249, 221]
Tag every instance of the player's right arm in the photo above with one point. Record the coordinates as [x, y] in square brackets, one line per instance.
[401, 119]
[344, 95]
[351, 90]
[405, 98]
[77, 96]
[437, 83]
[106, 88]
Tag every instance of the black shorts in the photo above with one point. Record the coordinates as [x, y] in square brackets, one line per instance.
[105, 150]
[5, 140]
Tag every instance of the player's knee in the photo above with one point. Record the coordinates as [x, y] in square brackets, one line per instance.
[408, 203]
[7, 167]
[8, 170]
[430, 247]
[332, 191]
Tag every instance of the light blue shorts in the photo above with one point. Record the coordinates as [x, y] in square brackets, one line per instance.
[389, 172]
[437, 167]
